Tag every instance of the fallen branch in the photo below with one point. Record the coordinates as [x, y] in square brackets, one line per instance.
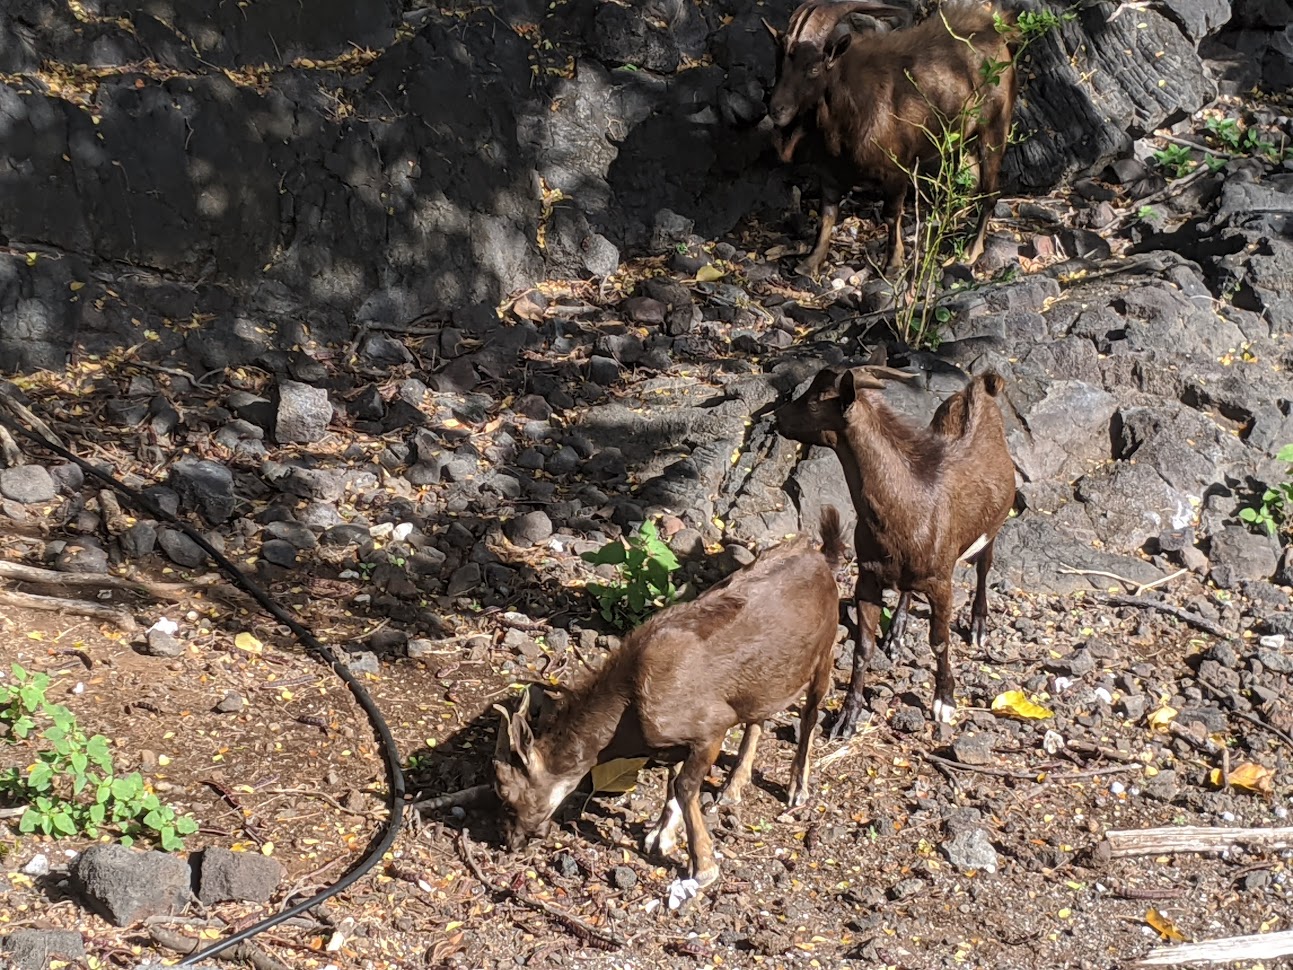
[589, 934]
[1049, 778]
[183, 945]
[1193, 838]
[18, 572]
[55, 604]
[468, 796]
[1193, 619]
[1232, 949]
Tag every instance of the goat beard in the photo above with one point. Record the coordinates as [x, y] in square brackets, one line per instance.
[786, 140]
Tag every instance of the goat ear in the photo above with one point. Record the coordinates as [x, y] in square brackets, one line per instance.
[503, 742]
[837, 44]
[521, 739]
[847, 391]
[775, 34]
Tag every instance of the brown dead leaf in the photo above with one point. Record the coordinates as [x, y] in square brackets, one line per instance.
[1165, 927]
[617, 775]
[1248, 777]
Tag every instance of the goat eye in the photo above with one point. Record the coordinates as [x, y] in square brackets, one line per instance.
[815, 70]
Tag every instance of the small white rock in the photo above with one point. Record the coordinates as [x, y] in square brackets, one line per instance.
[381, 530]
[1052, 741]
[164, 625]
[402, 531]
[1104, 695]
[38, 866]
[1117, 788]
[1273, 641]
[1062, 684]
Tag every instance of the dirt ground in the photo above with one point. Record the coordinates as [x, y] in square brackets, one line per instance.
[859, 874]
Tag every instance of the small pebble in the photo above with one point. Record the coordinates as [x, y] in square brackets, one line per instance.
[1274, 641]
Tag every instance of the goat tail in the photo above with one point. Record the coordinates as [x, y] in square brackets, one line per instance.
[832, 530]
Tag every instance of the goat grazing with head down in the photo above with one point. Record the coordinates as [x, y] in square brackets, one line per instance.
[874, 103]
[926, 498]
[739, 653]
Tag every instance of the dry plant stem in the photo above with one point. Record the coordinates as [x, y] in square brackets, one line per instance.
[1138, 588]
[1174, 189]
[1193, 619]
[1260, 946]
[1197, 147]
[588, 934]
[1244, 715]
[24, 415]
[54, 604]
[1050, 779]
[1193, 838]
[249, 952]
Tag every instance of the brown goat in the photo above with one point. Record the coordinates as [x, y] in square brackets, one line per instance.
[926, 498]
[737, 654]
[870, 101]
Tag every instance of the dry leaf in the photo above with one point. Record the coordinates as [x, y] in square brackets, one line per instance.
[245, 641]
[1014, 704]
[709, 273]
[617, 775]
[1166, 928]
[1249, 777]
[1161, 718]
[526, 308]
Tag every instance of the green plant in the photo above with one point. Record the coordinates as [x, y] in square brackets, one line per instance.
[1244, 141]
[1175, 160]
[1276, 504]
[72, 787]
[1147, 213]
[644, 564]
[1214, 164]
[1034, 24]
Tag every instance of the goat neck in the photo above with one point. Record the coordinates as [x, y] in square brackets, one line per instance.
[890, 456]
[586, 724]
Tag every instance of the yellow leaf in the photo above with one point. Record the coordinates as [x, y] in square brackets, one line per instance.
[1166, 928]
[1014, 704]
[1249, 777]
[31, 258]
[75, 285]
[709, 273]
[1064, 913]
[1161, 718]
[267, 848]
[245, 641]
[617, 775]
[163, 760]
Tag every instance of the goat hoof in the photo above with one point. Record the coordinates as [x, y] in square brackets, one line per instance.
[944, 711]
[729, 796]
[804, 268]
[978, 635]
[845, 727]
[798, 797]
[706, 875]
[662, 843]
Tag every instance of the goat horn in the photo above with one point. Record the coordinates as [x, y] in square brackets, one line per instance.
[812, 23]
[880, 371]
[468, 796]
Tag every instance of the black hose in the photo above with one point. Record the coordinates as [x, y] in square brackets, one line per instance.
[390, 753]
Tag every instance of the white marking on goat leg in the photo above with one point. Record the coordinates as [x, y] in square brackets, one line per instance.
[944, 712]
[975, 547]
[663, 836]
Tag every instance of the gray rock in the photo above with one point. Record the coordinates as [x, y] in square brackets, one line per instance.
[1132, 706]
[622, 877]
[82, 556]
[231, 703]
[279, 552]
[603, 370]
[1238, 554]
[204, 486]
[1066, 425]
[126, 885]
[530, 529]
[971, 849]
[363, 662]
[28, 484]
[344, 535]
[1162, 787]
[139, 540]
[906, 888]
[303, 413]
[908, 720]
[1075, 664]
[246, 876]
[300, 536]
[162, 644]
[182, 550]
[464, 579]
[1278, 661]
[34, 949]
[974, 749]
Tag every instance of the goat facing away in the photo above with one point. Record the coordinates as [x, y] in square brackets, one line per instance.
[926, 498]
[738, 654]
[871, 102]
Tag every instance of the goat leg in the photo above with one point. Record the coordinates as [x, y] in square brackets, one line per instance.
[940, 641]
[663, 836]
[817, 687]
[990, 174]
[894, 204]
[869, 598]
[686, 789]
[740, 776]
[897, 624]
[979, 611]
[831, 196]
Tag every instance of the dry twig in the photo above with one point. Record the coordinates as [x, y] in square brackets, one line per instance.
[1050, 778]
[1193, 619]
[589, 934]
[181, 944]
[1193, 838]
[1259, 946]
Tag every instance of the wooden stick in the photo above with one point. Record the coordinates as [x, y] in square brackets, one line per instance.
[1138, 587]
[1193, 619]
[18, 572]
[468, 796]
[1259, 946]
[589, 934]
[1193, 838]
[56, 604]
[1031, 775]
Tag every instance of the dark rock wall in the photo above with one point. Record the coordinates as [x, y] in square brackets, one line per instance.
[280, 168]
